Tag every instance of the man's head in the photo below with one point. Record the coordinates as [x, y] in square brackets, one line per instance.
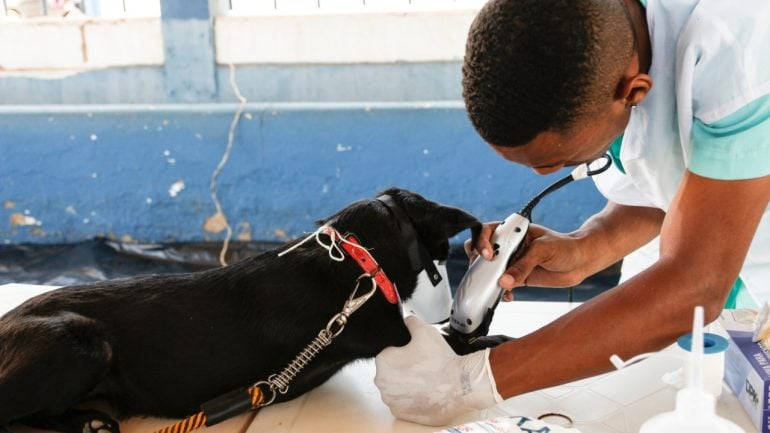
[542, 72]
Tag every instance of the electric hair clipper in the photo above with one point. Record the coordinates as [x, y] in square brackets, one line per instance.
[479, 292]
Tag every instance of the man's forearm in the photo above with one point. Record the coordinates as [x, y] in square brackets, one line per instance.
[615, 232]
[700, 258]
[644, 314]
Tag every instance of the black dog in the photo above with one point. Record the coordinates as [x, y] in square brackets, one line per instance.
[163, 344]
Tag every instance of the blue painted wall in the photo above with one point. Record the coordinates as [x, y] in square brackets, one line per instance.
[107, 170]
[96, 153]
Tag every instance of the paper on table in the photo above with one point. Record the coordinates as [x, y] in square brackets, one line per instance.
[762, 326]
[513, 424]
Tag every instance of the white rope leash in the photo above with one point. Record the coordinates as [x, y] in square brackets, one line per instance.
[335, 252]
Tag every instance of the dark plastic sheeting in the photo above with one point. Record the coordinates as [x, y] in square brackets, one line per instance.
[98, 260]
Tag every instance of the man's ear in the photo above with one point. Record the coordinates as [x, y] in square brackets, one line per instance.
[634, 85]
[632, 90]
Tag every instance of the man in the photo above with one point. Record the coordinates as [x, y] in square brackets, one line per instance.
[554, 83]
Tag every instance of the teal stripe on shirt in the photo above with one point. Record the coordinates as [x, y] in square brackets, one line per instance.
[615, 153]
[740, 297]
[734, 147]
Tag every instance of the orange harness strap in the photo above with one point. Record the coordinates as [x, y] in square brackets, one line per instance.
[186, 425]
[199, 419]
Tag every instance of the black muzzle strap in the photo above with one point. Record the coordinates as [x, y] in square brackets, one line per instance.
[419, 257]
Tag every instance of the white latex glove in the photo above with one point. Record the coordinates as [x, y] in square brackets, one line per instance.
[427, 383]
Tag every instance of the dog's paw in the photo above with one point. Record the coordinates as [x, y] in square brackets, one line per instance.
[463, 344]
[75, 421]
[98, 422]
[487, 341]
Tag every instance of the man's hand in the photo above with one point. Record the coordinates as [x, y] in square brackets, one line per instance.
[551, 259]
[427, 383]
[545, 259]
[483, 245]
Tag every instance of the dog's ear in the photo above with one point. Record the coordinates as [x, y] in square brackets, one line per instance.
[435, 222]
[454, 220]
[449, 220]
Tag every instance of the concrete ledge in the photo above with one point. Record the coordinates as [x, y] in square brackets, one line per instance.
[46, 44]
[124, 42]
[325, 37]
[64, 44]
[298, 38]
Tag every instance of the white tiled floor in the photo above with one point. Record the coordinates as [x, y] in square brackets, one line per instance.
[350, 402]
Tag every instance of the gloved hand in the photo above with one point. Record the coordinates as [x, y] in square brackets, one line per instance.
[427, 383]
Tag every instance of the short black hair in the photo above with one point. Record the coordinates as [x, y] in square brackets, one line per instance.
[542, 65]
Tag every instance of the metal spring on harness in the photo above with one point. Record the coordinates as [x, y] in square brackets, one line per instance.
[281, 380]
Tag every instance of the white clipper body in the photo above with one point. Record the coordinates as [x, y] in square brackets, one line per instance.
[479, 291]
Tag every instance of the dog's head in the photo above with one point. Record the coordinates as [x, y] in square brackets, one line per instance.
[382, 226]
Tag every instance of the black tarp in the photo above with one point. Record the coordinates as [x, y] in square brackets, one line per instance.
[99, 260]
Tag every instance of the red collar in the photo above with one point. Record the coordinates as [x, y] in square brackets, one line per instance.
[370, 266]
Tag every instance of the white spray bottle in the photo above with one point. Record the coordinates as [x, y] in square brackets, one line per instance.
[695, 410]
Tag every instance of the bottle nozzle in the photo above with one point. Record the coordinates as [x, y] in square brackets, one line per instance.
[696, 350]
[695, 409]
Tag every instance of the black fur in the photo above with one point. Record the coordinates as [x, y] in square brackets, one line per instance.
[163, 344]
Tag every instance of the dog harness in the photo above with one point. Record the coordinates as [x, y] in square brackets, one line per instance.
[370, 266]
[253, 397]
[338, 246]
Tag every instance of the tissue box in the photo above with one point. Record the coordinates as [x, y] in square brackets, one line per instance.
[747, 366]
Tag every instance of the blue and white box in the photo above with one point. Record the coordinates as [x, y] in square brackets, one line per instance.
[747, 366]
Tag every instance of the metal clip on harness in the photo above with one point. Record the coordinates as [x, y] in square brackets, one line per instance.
[280, 382]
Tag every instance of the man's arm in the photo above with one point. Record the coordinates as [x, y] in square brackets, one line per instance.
[704, 240]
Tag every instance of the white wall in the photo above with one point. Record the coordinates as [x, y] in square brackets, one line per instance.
[74, 44]
[277, 38]
[383, 37]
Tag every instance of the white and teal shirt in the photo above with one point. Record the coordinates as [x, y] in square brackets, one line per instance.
[708, 112]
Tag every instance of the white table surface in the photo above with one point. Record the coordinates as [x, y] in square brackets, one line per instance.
[613, 403]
